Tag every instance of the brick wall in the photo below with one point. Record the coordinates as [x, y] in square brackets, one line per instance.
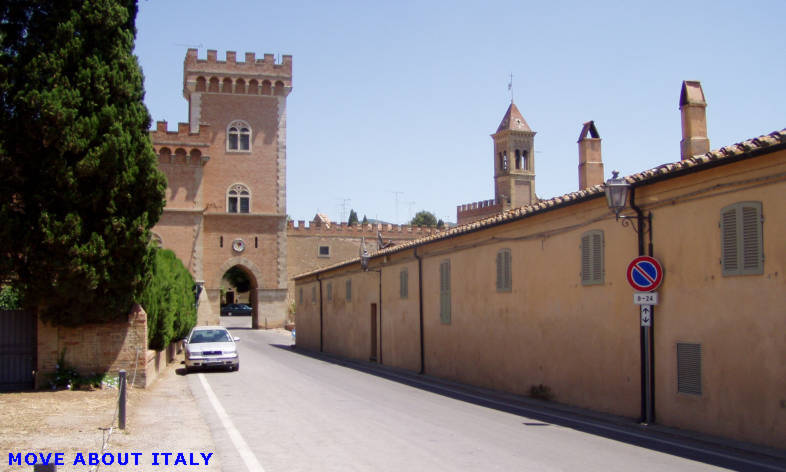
[100, 348]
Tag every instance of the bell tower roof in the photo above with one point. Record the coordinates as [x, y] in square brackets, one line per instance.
[513, 120]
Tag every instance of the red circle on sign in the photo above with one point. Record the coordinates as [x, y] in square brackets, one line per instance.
[644, 273]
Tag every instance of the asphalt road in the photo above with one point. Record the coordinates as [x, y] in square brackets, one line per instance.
[290, 411]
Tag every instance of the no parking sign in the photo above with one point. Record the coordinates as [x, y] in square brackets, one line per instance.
[645, 273]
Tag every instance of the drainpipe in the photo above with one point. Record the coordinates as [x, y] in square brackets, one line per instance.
[420, 309]
[320, 314]
[380, 316]
[647, 332]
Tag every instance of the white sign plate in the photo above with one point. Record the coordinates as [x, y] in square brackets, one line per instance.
[645, 298]
[646, 315]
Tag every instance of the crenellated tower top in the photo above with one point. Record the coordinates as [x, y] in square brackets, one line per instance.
[259, 77]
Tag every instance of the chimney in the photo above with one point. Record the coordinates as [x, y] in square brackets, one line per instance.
[590, 161]
[693, 110]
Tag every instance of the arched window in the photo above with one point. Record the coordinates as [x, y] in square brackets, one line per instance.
[226, 86]
[518, 159]
[238, 199]
[201, 84]
[238, 136]
[240, 86]
[267, 88]
[213, 87]
[504, 161]
[524, 159]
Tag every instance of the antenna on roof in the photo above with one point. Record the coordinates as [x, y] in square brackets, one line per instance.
[510, 87]
[193, 46]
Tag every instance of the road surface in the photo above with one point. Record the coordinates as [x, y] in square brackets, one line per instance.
[286, 410]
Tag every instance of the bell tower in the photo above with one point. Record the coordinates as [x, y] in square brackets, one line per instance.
[514, 161]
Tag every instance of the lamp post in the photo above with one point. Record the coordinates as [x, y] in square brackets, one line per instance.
[617, 190]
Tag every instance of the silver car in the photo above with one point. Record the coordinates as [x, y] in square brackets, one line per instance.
[211, 346]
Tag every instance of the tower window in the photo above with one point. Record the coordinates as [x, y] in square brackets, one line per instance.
[524, 159]
[238, 136]
[324, 251]
[238, 199]
[518, 159]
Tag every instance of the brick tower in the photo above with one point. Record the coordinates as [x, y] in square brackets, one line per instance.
[226, 176]
[514, 161]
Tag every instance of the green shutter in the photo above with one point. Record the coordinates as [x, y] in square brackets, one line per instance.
[729, 241]
[444, 292]
[329, 291]
[403, 282]
[504, 282]
[592, 270]
[742, 249]
[349, 289]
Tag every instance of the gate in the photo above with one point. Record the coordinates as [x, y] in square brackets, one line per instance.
[17, 350]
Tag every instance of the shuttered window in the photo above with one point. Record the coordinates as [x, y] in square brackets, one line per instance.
[444, 292]
[592, 270]
[504, 271]
[689, 368]
[329, 291]
[404, 283]
[349, 289]
[742, 251]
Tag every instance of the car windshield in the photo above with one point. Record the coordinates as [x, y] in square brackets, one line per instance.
[210, 336]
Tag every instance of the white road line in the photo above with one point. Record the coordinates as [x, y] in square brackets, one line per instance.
[252, 464]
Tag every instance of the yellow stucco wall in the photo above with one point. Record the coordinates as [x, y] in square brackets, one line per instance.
[583, 342]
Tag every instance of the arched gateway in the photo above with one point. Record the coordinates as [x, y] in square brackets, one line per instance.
[226, 196]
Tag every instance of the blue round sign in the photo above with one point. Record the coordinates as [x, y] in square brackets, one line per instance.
[645, 274]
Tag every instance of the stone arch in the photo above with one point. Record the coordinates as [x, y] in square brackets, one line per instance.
[253, 87]
[180, 156]
[201, 84]
[213, 87]
[279, 88]
[240, 86]
[267, 88]
[244, 263]
[165, 155]
[226, 86]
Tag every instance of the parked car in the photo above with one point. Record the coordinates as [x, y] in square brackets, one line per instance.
[236, 309]
[211, 346]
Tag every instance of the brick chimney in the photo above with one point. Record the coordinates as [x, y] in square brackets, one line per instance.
[693, 110]
[590, 160]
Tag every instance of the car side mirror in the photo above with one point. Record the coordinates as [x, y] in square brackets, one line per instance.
[236, 339]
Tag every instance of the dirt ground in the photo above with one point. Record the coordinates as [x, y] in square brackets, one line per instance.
[161, 418]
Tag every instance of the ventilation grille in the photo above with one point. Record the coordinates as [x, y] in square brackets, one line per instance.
[689, 368]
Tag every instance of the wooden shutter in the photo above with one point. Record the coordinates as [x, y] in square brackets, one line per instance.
[349, 289]
[329, 291]
[444, 292]
[403, 282]
[592, 270]
[504, 282]
[742, 251]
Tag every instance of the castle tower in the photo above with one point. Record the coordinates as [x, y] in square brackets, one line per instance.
[514, 161]
[227, 209]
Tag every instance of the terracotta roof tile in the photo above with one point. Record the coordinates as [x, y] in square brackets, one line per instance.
[727, 152]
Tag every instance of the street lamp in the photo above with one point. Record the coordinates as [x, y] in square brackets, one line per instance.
[617, 193]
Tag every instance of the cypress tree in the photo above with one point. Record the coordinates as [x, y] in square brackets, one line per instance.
[79, 186]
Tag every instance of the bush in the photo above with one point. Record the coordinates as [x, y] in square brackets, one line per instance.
[168, 299]
[9, 298]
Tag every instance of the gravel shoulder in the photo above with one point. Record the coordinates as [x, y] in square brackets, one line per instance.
[161, 419]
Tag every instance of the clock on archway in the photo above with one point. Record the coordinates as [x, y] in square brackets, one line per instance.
[238, 245]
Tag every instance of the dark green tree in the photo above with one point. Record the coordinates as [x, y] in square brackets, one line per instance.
[440, 224]
[168, 298]
[237, 278]
[365, 220]
[353, 218]
[79, 185]
[424, 218]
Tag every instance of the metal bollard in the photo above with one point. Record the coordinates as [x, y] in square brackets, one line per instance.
[45, 468]
[121, 419]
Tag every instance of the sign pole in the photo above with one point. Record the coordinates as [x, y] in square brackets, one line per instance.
[645, 274]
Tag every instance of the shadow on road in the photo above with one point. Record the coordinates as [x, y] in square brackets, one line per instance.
[539, 413]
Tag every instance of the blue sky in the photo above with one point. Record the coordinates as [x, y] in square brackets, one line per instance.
[396, 100]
